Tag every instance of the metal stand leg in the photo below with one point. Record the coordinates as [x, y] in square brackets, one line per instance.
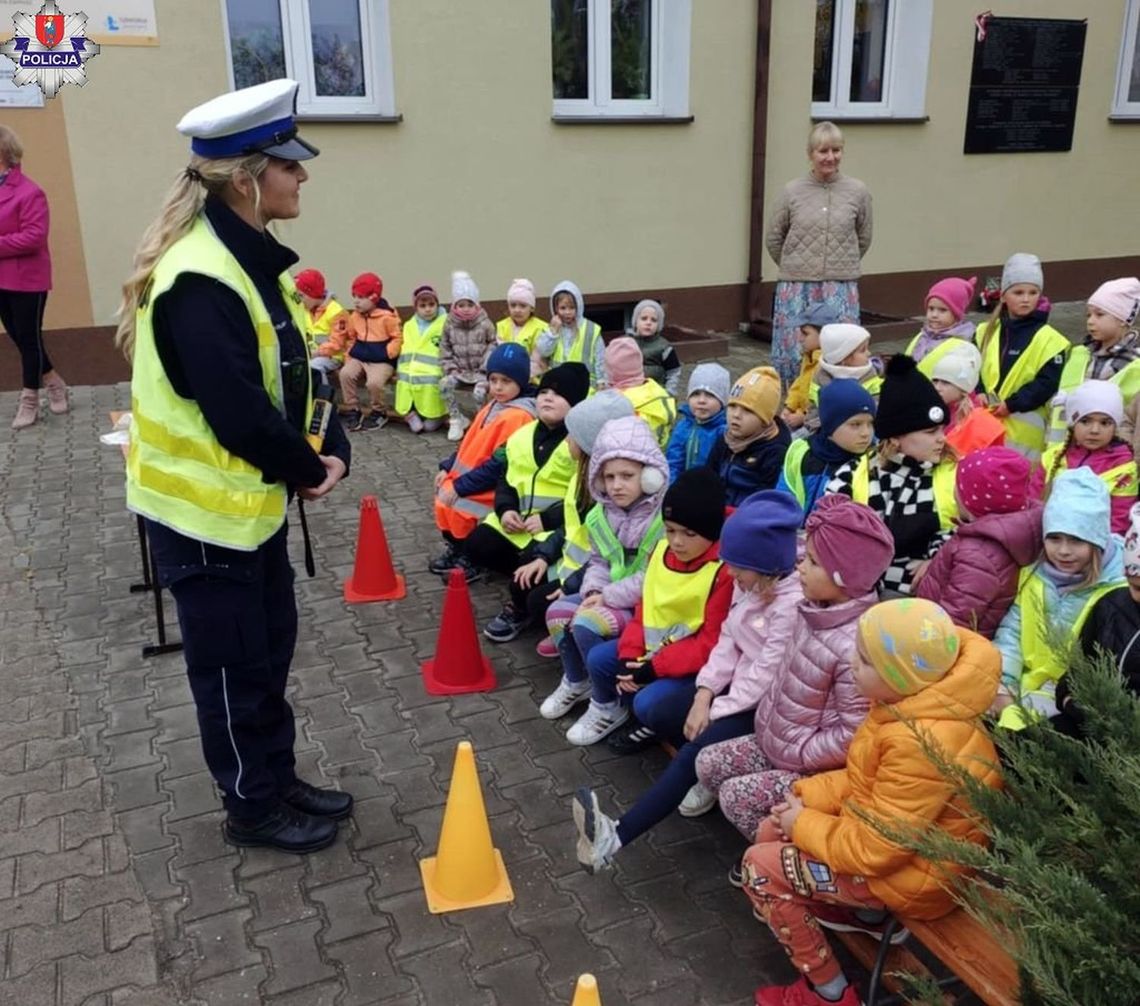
[150, 582]
[881, 960]
[144, 551]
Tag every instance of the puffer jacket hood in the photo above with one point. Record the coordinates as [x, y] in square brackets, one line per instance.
[566, 286]
[890, 776]
[628, 437]
[806, 720]
[1019, 533]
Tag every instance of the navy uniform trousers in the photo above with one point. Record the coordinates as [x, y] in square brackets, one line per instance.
[238, 617]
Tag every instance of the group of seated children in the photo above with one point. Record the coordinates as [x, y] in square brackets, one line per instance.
[785, 612]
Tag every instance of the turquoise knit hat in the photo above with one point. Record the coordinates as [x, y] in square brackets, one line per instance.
[1079, 505]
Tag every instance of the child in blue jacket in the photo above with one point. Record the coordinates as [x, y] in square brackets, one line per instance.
[700, 420]
[750, 455]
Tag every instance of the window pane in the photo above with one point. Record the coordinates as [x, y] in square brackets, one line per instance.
[824, 42]
[1134, 78]
[255, 41]
[631, 46]
[338, 57]
[869, 50]
[570, 47]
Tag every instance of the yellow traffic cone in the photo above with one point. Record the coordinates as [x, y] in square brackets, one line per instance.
[467, 871]
[586, 994]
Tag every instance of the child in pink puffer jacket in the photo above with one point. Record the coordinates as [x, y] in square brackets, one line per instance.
[627, 476]
[805, 720]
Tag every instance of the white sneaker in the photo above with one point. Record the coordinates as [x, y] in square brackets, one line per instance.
[564, 698]
[597, 723]
[455, 429]
[699, 800]
[598, 840]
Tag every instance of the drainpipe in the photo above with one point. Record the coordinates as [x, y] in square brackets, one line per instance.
[758, 307]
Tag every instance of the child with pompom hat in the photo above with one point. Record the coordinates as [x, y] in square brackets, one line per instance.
[521, 324]
[467, 340]
[819, 860]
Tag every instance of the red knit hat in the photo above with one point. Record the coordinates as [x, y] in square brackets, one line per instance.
[955, 293]
[993, 480]
[369, 285]
[311, 283]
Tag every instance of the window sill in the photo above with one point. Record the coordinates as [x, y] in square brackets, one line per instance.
[1125, 117]
[861, 120]
[388, 120]
[621, 120]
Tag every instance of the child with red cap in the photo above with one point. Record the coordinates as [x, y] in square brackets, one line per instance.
[370, 339]
[323, 312]
[946, 305]
[974, 576]
[819, 859]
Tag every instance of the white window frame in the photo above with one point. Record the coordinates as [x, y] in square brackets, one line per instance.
[670, 34]
[378, 100]
[906, 61]
[1122, 108]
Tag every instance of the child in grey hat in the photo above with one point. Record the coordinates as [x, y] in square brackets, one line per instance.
[700, 420]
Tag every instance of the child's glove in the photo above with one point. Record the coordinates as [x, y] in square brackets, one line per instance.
[643, 673]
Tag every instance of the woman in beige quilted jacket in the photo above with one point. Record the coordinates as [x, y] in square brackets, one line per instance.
[818, 233]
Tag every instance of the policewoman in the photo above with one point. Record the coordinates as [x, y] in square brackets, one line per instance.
[221, 400]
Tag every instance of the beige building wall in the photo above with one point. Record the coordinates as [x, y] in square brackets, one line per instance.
[938, 208]
[476, 176]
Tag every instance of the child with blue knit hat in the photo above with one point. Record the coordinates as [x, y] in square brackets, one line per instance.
[847, 429]
[700, 419]
[1082, 560]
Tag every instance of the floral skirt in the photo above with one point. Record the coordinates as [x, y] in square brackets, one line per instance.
[793, 298]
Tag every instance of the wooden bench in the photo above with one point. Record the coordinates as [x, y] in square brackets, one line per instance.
[958, 940]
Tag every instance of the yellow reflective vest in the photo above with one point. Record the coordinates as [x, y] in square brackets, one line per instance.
[538, 488]
[583, 349]
[656, 406]
[606, 544]
[1127, 379]
[576, 539]
[418, 370]
[926, 364]
[672, 602]
[318, 328]
[1043, 656]
[945, 500]
[873, 385]
[177, 472]
[527, 335]
[1121, 479]
[1024, 431]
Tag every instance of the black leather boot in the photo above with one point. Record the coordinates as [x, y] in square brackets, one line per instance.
[330, 803]
[284, 828]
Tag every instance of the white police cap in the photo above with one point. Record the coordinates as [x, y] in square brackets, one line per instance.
[256, 119]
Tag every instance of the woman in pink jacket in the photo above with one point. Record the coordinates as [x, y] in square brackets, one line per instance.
[758, 545]
[805, 720]
[25, 278]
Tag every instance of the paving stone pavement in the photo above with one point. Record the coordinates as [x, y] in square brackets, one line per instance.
[116, 888]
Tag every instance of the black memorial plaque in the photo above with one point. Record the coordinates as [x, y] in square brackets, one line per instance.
[1023, 87]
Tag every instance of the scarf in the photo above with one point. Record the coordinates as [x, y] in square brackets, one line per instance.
[928, 341]
[467, 314]
[839, 373]
[737, 444]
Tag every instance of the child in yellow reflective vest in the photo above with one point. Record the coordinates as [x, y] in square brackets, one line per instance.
[571, 337]
[625, 372]
[946, 305]
[685, 598]
[845, 354]
[521, 324]
[322, 311]
[1022, 356]
[1081, 561]
[627, 478]
[418, 370]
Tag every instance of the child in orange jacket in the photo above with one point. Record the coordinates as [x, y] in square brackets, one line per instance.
[370, 339]
[818, 861]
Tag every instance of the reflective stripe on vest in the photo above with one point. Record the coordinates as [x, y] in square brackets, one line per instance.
[177, 472]
[672, 602]
[606, 544]
[418, 370]
[941, 348]
[1044, 647]
[538, 488]
[1127, 379]
[1024, 431]
[1121, 479]
[527, 335]
[656, 406]
[582, 348]
[794, 470]
[576, 541]
[872, 385]
[942, 476]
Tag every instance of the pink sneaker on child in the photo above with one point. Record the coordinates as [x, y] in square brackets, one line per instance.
[802, 994]
[546, 648]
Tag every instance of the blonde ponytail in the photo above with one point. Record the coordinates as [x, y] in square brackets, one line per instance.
[180, 208]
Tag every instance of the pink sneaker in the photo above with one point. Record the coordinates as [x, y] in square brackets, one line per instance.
[801, 994]
[546, 648]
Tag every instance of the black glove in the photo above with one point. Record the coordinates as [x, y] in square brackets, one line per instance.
[645, 674]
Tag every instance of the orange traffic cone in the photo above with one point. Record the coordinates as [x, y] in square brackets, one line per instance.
[459, 664]
[467, 871]
[586, 993]
[373, 578]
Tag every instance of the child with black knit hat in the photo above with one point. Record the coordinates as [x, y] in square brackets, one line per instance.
[909, 480]
[685, 597]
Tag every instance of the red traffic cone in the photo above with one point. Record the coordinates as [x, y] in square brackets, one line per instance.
[458, 665]
[373, 578]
